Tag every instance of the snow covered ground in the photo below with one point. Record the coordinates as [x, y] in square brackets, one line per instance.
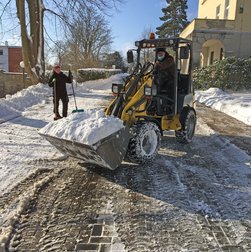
[237, 105]
[23, 114]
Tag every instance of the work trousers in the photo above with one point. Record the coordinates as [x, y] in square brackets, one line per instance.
[65, 101]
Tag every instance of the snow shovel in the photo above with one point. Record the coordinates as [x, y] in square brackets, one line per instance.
[76, 110]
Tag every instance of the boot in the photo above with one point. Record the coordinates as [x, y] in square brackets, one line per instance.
[57, 116]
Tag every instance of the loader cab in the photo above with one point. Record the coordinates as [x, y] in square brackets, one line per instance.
[181, 51]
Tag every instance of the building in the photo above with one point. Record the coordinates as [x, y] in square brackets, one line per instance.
[10, 58]
[221, 30]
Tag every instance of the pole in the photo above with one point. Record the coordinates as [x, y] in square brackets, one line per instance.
[23, 78]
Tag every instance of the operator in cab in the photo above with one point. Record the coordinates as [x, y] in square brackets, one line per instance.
[164, 69]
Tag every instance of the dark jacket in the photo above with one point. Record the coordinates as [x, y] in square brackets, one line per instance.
[60, 81]
[164, 72]
[166, 66]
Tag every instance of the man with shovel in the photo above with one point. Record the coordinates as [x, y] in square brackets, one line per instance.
[58, 82]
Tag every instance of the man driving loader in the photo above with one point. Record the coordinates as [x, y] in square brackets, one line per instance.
[164, 70]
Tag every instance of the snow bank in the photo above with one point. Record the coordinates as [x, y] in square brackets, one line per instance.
[13, 105]
[102, 84]
[87, 127]
[237, 106]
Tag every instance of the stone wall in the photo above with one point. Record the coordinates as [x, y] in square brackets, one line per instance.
[10, 83]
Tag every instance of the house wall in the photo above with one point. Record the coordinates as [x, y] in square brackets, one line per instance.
[239, 10]
[243, 17]
[10, 83]
[4, 58]
[234, 33]
[15, 57]
[11, 58]
[207, 9]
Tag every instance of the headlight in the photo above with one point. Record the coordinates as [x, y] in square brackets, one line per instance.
[148, 91]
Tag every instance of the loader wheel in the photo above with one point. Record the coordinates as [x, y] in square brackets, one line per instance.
[144, 144]
[188, 123]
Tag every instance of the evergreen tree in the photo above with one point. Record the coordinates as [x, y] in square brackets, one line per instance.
[174, 19]
[115, 59]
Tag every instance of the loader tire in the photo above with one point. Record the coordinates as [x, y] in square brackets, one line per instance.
[188, 123]
[144, 145]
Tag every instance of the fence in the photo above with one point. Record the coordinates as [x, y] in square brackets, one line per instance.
[10, 83]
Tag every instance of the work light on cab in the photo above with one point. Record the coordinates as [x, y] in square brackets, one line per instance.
[152, 35]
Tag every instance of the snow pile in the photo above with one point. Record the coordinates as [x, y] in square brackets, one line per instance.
[87, 127]
[237, 106]
[98, 70]
[101, 85]
[13, 105]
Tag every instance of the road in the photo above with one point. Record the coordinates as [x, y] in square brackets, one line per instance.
[194, 197]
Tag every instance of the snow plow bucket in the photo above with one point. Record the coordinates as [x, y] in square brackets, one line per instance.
[109, 152]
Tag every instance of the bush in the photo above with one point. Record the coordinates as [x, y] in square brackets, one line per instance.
[95, 73]
[231, 73]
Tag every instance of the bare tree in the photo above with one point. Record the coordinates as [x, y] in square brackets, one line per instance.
[60, 50]
[31, 15]
[33, 42]
[91, 34]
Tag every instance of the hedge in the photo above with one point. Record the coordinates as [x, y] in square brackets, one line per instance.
[95, 73]
[230, 73]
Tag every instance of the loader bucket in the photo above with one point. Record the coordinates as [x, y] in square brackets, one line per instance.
[109, 152]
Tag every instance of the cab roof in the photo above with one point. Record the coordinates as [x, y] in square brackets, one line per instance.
[161, 42]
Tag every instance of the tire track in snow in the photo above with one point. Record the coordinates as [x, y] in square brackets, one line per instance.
[14, 203]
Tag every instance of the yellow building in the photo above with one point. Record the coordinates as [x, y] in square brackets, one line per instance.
[222, 29]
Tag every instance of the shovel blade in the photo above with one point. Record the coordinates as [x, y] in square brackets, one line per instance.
[77, 110]
[109, 152]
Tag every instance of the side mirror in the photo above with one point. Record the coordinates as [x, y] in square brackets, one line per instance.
[130, 56]
[184, 52]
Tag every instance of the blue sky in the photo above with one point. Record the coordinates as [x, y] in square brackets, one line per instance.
[135, 16]
[128, 24]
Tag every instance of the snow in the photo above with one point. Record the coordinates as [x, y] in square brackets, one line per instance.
[237, 105]
[87, 127]
[29, 111]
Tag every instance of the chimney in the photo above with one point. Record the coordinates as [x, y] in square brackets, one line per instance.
[6, 43]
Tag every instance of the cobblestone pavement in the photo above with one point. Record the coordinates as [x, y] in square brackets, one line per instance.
[192, 198]
[236, 131]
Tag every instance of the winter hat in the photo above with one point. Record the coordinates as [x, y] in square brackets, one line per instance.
[56, 65]
[161, 50]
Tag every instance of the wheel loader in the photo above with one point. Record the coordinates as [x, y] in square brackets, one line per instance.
[145, 110]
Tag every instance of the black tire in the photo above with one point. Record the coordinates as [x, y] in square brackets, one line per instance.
[188, 124]
[144, 145]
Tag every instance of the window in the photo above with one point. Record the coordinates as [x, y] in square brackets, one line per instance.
[211, 58]
[218, 12]
[221, 54]
[1, 52]
[226, 9]
[241, 9]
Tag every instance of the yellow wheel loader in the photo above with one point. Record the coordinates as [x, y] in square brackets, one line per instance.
[145, 110]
